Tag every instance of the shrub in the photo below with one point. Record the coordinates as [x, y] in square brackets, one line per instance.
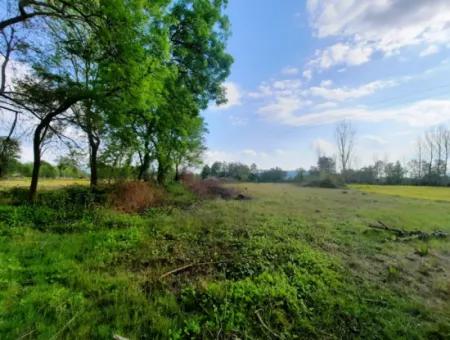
[331, 182]
[135, 196]
[208, 188]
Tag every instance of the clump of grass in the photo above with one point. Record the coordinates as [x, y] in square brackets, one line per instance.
[422, 250]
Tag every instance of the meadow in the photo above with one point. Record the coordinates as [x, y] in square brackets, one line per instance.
[290, 262]
[420, 192]
[44, 183]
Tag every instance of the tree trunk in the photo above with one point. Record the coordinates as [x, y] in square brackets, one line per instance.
[177, 173]
[144, 167]
[37, 139]
[94, 143]
[162, 172]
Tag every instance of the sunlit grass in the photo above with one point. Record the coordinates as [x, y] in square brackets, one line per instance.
[44, 183]
[426, 193]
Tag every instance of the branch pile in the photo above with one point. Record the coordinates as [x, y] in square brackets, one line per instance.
[404, 235]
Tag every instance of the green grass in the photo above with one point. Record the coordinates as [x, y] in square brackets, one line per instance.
[44, 183]
[290, 263]
[426, 193]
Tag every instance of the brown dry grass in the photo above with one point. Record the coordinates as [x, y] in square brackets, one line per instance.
[135, 196]
[209, 188]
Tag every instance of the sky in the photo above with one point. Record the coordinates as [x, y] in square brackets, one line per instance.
[303, 66]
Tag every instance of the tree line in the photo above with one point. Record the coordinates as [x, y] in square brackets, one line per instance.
[428, 167]
[129, 77]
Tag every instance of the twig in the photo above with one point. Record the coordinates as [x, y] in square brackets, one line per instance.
[265, 326]
[65, 326]
[179, 269]
[26, 334]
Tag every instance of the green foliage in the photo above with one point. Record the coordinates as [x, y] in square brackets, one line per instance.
[9, 153]
[273, 175]
[326, 181]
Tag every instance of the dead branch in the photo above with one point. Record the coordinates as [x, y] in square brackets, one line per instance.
[265, 326]
[404, 235]
[187, 266]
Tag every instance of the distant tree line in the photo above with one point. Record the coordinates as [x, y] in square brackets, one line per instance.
[429, 167]
[242, 172]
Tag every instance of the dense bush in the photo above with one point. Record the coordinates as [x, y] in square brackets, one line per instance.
[331, 182]
[208, 188]
[135, 196]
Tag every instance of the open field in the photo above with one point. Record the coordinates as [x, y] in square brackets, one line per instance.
[43, 183]
[421, 192]
[291, 262]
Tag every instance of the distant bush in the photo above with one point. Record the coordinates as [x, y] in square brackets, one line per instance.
[331, 182]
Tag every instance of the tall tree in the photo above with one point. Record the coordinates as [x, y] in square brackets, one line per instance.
[345, 140]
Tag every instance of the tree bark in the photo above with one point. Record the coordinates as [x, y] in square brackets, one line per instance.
[144, 167]
[39, 135]
[162, 172]
[94, 144]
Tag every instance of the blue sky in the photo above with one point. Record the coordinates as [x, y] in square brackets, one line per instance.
[302, 66]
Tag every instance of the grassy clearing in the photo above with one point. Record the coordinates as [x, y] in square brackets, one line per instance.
[290, 263]
[43, 183]
[426, 193]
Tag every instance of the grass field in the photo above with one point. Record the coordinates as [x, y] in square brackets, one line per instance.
[426, 193]
[43, 183]
[289, 263]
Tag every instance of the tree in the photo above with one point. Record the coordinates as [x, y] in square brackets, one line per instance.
[326, 165]
[206, 171]
[217, 169]
[273, 175]
[24, 11]
[394, 173]
[345, 139]
[9, 152]
[300, 176]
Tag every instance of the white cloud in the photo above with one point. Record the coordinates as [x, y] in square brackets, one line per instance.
[326, 83]
[341, 54]
[345, 93]
[432, 49]
[238, 121]
[323, 147]
[290, 71]
[233, 95]
[307, 74]
[282, 106]
[419, 114]
[264, 90]
[374, 139]
[285, 158]
[367, 26]
[325, 106]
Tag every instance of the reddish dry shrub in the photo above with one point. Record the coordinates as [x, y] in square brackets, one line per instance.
[209, 188]
[135, 196]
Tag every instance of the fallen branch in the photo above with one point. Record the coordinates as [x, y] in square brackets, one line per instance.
[179, 269]
[405, 235]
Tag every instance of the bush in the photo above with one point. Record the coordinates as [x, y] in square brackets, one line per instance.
[331, 182]
[208, 188]
[135, 196]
